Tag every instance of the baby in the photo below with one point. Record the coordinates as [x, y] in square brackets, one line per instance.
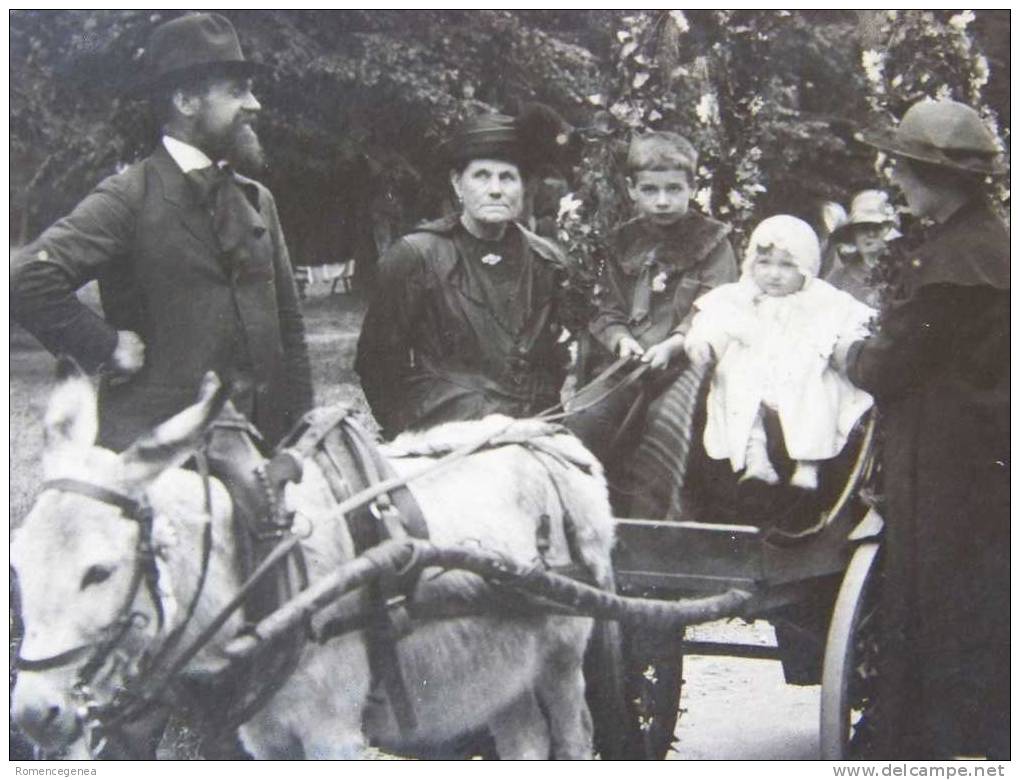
[772, 334]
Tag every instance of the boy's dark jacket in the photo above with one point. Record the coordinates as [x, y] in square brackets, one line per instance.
[656, 274]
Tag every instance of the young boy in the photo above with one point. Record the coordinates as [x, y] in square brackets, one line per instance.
[773, 334]
[662, 260]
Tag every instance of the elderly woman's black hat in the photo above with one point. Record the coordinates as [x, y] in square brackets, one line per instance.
[537, 137]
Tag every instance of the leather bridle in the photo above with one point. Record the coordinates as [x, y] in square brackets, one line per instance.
[145, 573]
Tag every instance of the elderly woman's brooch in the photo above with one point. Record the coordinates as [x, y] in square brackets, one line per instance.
[659, 282]
[491, 259]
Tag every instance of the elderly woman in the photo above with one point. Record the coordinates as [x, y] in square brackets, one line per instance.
[464, 320]
[939, 371]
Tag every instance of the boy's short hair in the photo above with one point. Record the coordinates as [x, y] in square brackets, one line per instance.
[661, 150]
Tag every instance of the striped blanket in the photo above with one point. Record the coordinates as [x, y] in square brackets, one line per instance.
[652, 479]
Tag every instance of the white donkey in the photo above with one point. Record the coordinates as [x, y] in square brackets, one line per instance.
[76, 561]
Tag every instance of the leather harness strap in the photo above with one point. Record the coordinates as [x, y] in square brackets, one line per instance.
[371, 525]
[132, 509]
[350, 463]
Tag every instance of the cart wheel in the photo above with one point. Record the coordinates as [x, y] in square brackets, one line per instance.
[848, 672]
[634, 679]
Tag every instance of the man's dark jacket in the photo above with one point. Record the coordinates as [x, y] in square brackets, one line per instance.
[146, 237]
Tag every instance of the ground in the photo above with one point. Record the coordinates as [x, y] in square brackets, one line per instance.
[738, 708]
[733, 708]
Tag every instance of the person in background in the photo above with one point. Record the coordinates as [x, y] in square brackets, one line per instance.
[939, 369]
[859, 245]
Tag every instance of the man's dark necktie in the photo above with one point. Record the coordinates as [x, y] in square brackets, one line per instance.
[235, 221]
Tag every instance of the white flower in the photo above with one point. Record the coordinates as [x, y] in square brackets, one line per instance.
[680, 21]
[569, 206]
[639, 79]
[707, 109]
[596, 100]
[738, 201]
[961, 20]
[873, 63]
[757, 104]
[980, 73]
[897, 81]
[943, 92]
[654, 116]
[703, 198]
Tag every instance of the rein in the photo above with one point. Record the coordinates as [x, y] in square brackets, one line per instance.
[561, 411]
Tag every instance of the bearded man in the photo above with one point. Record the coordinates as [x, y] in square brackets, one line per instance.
[190, 257]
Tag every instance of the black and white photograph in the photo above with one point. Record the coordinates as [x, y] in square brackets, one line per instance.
[510, 384]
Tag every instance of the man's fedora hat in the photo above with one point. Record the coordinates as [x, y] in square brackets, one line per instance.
[942, 132]
[190, 46]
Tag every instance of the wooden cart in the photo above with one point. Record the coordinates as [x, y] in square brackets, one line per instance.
[635, 677]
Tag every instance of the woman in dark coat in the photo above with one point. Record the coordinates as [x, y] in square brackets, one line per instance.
[939, 370]
[464, 321]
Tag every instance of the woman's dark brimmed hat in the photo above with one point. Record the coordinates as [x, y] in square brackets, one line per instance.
[538, 136]
[189, 47]
[941, 132]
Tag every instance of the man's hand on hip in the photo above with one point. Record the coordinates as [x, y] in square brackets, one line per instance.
[128, 356]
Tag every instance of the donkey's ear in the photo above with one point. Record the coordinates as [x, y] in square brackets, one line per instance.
[71, 418]
[174, 441]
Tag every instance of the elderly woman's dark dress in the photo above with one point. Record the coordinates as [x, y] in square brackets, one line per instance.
[453, 335]
[939, 370]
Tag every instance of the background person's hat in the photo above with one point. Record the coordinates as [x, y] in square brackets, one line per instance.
[190, 46]
[942, 132]
[869, 207]
[538, 136]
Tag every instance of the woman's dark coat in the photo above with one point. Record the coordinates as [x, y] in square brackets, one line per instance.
[939, 370]
[432, 351]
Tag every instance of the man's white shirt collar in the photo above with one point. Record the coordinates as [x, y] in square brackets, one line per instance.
[187, 157]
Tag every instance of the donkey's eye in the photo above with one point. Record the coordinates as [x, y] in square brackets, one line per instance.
[95, 575]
